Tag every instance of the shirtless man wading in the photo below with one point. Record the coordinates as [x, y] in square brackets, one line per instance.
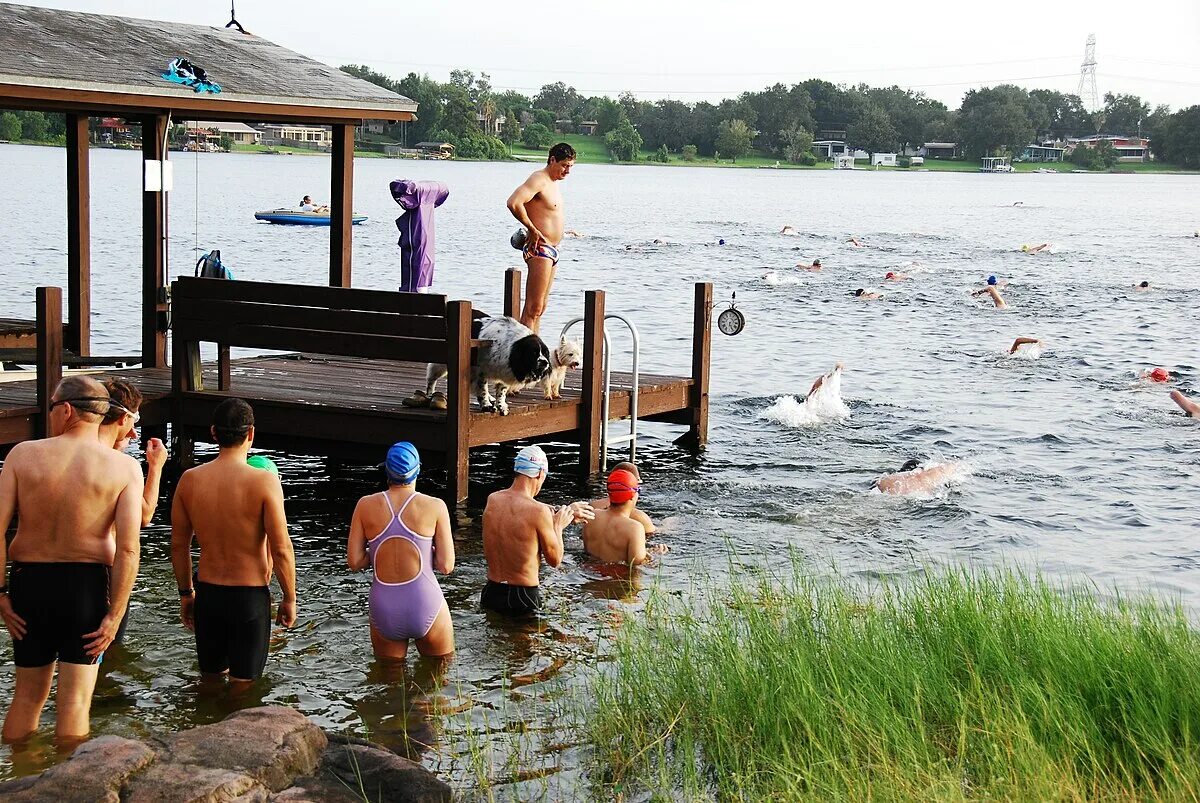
[537, 204]
[518, 531]
[236, 513]
[74, 557]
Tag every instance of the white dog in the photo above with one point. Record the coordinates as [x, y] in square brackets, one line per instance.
[569, 354]
[513, 358]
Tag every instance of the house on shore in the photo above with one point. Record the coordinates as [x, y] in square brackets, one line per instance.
[318, 137]
[1042, 153]
[941, 150]
[240, 133]
[828, 148]
[1129, 149]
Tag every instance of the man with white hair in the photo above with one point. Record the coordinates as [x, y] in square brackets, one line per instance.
[518, 531]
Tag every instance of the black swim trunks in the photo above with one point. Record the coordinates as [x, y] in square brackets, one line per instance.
[510, 599]
[60, 603]
[233, 629]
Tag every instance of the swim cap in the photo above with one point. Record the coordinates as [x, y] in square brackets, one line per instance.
[263, 462]
[531, 461]
[403, 463]
[517, 240]
[1160, 374]
[1144, 284]
[889, 275]
[991, 280]
[816, 262]
[721, 242]
[622, 486]
[910, 465]
[859, 292]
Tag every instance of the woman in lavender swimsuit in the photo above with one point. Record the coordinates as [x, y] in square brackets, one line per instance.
[404, 535]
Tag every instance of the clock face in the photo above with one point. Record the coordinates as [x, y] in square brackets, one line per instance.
[731, 321]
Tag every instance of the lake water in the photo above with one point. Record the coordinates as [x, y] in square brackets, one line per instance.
[1073, 464]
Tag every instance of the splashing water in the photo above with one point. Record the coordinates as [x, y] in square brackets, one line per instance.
[824, 404]
[774, 279]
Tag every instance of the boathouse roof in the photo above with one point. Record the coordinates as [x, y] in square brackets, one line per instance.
[67, 60]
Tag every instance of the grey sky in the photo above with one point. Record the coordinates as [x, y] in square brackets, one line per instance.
[708, 50]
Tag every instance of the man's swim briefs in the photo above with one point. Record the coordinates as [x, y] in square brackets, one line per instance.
[544, 250]
[60, 603]
[233, 629]
[510, 599]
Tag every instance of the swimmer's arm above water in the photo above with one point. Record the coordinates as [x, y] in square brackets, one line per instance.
[443, 541]
[8, 506]
[1022, 341]
[356, 544]
[280, 544]
[128, 524]
[1187, 405]
[181, 552]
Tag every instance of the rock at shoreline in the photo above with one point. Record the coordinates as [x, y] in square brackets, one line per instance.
[272, 745]
[272, 754]
[96, 772]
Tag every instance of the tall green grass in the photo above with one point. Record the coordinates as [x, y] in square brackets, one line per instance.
[954, 686]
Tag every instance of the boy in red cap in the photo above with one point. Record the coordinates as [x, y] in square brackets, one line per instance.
[615, 536]
[637, 515]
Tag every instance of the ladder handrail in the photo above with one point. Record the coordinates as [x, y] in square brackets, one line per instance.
[606, 438]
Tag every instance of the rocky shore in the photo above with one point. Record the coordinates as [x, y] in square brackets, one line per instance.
[258, 755]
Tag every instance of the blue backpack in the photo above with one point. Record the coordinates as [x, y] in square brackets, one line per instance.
[209, 266]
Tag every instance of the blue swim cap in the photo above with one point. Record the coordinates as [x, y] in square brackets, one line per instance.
[403, 463]
[991, 280]
[721, 242]
[531, 461]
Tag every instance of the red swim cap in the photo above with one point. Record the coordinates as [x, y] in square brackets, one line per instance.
[622, 486]
[1160, 374]
[889, 275]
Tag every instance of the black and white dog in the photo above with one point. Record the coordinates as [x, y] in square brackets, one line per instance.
[513, 358]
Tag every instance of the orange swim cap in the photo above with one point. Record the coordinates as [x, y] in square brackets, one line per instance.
[622, 486]
[1160, 374]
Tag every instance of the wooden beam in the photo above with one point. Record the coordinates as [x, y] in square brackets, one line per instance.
[154, 334]
[697, 434]
[512, 293]
[49, 352]
[591, 419]
[341, 206]
[458, 408]
[79, 238]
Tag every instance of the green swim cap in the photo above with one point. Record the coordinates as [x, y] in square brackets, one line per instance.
[263, 462]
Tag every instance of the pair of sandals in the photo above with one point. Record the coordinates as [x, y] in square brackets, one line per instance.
[437, 401]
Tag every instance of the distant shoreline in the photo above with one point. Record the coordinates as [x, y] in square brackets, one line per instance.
[749, 163]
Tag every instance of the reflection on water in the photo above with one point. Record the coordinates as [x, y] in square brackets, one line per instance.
[1076, 465]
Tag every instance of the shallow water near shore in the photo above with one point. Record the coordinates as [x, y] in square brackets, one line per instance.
[1073, 464]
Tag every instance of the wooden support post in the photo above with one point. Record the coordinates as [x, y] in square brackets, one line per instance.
[697, 435]
[458, 408]
[49, 352]
[512, 293]
[341, 206]
[154, 332]
[79, 238]
[224, 374]
[591, 407]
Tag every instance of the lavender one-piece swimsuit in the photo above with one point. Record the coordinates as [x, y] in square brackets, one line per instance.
[402, 611]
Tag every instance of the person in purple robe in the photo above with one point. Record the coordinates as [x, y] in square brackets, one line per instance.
[418, 199]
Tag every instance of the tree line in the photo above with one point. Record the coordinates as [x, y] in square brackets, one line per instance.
[783, 120]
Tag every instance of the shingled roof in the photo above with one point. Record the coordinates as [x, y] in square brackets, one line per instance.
[63, 59]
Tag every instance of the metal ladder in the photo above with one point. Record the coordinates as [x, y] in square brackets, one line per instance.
[606, 438]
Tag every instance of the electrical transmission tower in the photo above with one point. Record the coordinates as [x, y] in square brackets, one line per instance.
[1089, 96]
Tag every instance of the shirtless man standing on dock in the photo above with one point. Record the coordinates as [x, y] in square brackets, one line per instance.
[236, 513]
[537, 204]
[518, 531]
[71, 577]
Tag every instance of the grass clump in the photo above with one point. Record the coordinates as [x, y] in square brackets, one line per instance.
[953, 686]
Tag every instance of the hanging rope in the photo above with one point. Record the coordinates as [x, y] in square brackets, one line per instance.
[233, 23]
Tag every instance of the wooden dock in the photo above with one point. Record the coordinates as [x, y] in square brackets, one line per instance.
[349, 400]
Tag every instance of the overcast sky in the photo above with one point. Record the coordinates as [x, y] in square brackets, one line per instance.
[702, 50]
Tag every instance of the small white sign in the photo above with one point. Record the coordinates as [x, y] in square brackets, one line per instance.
[159, 175]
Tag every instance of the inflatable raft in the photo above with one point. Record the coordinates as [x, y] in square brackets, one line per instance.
[295, 217]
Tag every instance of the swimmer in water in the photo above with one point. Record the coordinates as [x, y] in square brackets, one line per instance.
[573, 233]
[893, 276]
[1157, 374]
[854, 242]
[1141, 287]
[1190, 407]
[1035, 249]
[816, 265]
[787, 230]
[1023, 341]
[863, 295]
[911, 478]
[616, 534]
[993, 290]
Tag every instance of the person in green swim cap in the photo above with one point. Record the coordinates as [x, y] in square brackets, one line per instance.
[263, 462]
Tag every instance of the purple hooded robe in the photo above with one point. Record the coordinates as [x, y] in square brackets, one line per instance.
[419, 199]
